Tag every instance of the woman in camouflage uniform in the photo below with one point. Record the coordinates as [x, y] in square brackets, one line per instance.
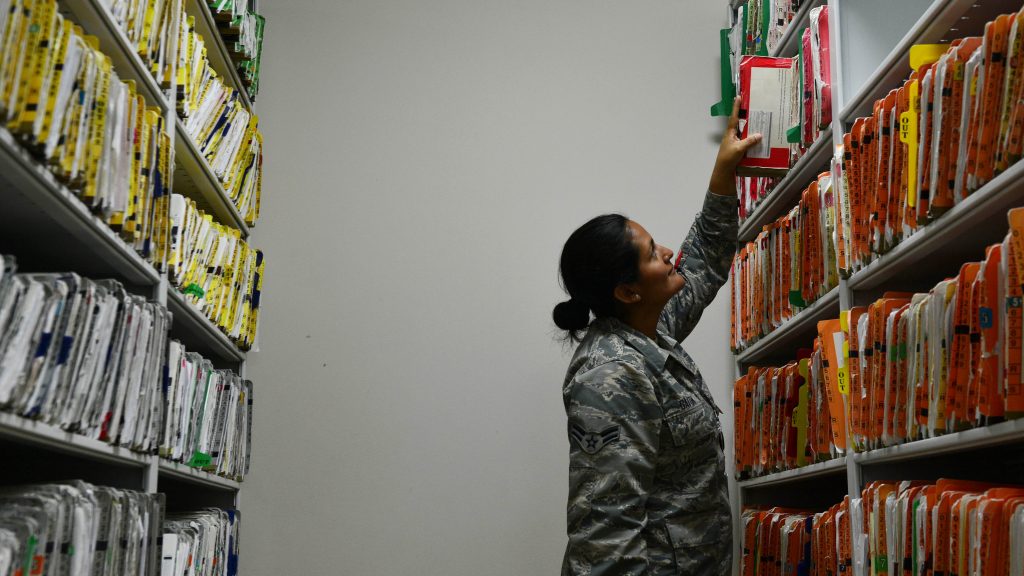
[647, 488]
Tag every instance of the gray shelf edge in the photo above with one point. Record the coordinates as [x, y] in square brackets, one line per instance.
[180, 471]
[56, 199]
[764, 346]
[40, 433]
[1003, 432]
[787, 47]
[889, 70]
[810, 471]
[201, 326]
[217, 51]
[187, 154]
[999, 194]
[788, 189]
[97, 21]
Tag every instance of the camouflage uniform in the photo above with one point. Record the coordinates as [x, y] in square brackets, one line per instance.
[647, 486]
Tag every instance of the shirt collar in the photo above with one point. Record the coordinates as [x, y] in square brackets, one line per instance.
[655, 353]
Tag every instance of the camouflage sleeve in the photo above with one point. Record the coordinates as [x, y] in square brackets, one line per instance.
[704, 261]
[614, 420]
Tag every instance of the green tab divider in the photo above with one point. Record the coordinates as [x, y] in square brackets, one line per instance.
[200, 460]
[724, 107]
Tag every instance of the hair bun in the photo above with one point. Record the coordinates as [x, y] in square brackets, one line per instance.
[571, 315]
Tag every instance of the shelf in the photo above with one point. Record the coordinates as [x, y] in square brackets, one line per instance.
[197, 332]
[1002, 433]
[49, 228]
[54, 438]
[937, 250]
[216, 50]
[94, 17]
[179, 471]
[789, 45]
[963, 17]
[802, 326]
[834, 466]
[787, 192]
[194, 178]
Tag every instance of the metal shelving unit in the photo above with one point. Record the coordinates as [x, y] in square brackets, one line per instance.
[17, 430]
[834, 466]
[181, 472]
[1002, 433]
[23, 430]
[934, 252]
[48, 228]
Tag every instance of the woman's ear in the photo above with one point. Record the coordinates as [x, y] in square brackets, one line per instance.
[627, 294]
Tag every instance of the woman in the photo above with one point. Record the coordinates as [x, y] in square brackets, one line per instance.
[647, 487]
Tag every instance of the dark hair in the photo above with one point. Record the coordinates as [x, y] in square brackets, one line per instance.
[596, 258]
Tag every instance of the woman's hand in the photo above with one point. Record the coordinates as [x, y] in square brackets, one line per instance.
[730, 152]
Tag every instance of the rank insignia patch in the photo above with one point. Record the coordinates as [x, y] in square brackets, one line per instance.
[592, 442]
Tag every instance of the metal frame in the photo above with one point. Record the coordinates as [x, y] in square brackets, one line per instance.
[965, 230]
[29, 191]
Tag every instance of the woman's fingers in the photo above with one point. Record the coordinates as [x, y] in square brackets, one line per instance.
[748, 143]
[734, 118]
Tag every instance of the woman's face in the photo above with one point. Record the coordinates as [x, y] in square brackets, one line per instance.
[657, 280]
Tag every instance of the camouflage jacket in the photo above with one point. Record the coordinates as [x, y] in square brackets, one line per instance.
[647, 488]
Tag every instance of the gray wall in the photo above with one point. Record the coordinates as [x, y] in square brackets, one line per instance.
[425, 163]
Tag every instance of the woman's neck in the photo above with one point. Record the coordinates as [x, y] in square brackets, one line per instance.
[643, 320]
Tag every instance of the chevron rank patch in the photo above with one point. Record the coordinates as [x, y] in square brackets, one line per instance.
[592, 442]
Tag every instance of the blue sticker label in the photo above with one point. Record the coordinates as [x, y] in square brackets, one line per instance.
[985, 317]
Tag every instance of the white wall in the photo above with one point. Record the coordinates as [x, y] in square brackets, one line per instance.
[425, 163]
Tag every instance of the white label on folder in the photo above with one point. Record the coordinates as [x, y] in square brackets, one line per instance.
[760, 121]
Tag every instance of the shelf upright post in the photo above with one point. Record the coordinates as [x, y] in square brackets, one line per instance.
[234, 495]
[838, 130]
[734, 486]
[152, 475]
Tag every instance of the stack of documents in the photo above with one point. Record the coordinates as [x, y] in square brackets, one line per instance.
[955, 124]
[907, 527]
[767, 88]
[906, 367]
[787, 100]
[242, 31]
[83, 355]
[224, 131]
[154, 29]
[790, 264]
[761, 24]
[800, 541]
[783, 416]
[927, 364]
[751, 191]
[201, 543]
[776, 539]
[816, 78]
[216, 270]
[78, 529]
[952, 527]
[62, 99]
[208, 422]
